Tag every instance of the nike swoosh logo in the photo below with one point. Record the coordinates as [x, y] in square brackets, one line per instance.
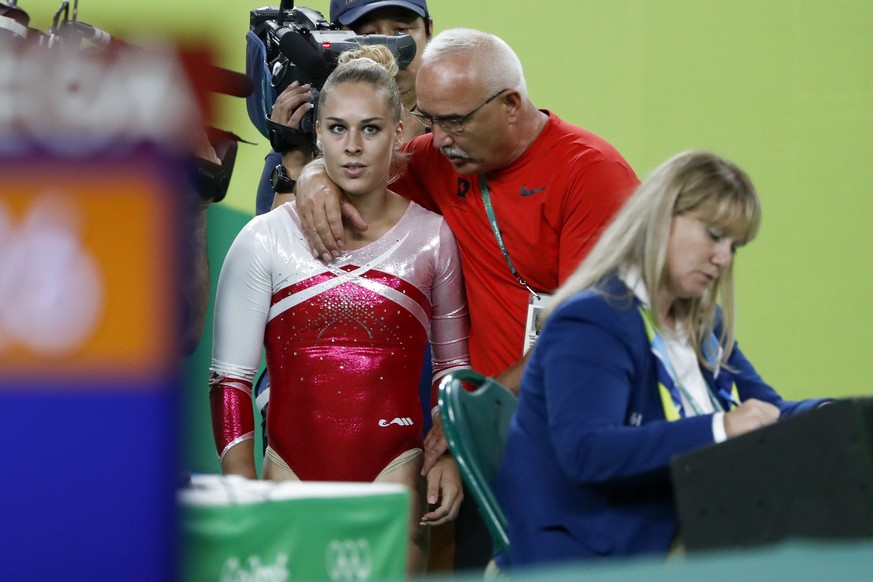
[526, 192]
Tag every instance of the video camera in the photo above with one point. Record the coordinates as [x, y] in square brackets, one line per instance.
[301, 46]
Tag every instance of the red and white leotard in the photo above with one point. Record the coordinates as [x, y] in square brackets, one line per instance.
[344, 342]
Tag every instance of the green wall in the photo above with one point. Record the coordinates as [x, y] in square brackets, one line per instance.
[784, 88]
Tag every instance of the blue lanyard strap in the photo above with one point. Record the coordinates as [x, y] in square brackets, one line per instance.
[492, 219]
[670, 388]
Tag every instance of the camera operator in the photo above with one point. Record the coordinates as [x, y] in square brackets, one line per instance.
[385, 17]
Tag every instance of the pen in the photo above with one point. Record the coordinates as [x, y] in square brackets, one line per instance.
[729, 397]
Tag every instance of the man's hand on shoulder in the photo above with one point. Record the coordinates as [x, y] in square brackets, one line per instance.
[322, 207]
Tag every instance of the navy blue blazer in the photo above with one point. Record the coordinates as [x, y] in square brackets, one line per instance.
[586, 466]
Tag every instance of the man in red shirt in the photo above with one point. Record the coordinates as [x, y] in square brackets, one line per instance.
[525, 193]
[494, 163]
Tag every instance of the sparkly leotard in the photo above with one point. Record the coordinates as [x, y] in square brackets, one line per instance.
[344, 341]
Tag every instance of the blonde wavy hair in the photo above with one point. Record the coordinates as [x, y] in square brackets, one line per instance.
[637, 238]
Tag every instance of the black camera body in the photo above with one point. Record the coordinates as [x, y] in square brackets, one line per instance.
[302, 46]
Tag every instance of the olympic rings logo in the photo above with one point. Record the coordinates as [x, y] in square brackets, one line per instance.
[348, 560]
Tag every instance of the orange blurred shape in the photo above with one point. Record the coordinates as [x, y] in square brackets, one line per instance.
[117, 225]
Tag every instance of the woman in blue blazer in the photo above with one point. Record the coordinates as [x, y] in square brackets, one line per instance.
[636, 363]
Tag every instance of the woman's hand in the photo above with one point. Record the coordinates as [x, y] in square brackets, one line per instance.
[435, 445]
[748, 416]
[445, 490]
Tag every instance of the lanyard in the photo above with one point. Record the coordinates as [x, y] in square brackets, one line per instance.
[492, 219]
[670, 388]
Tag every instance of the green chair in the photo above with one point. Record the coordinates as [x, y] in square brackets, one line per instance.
[476, 424]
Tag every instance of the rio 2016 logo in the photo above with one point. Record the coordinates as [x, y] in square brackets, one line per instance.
[253, 569]
[348, 560]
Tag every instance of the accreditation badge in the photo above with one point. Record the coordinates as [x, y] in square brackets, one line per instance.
[534, 319]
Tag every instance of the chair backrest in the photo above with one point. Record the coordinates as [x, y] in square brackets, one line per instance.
[476, 424]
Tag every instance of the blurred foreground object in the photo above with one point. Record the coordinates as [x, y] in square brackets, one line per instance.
[239, 529]
[96, 216]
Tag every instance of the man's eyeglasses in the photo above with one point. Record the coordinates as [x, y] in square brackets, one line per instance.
[454, 123]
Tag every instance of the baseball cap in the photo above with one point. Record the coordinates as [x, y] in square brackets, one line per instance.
[347, 11]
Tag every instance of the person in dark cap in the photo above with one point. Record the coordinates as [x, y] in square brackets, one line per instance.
[385, 17]
[391, 17]
[347, 12]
